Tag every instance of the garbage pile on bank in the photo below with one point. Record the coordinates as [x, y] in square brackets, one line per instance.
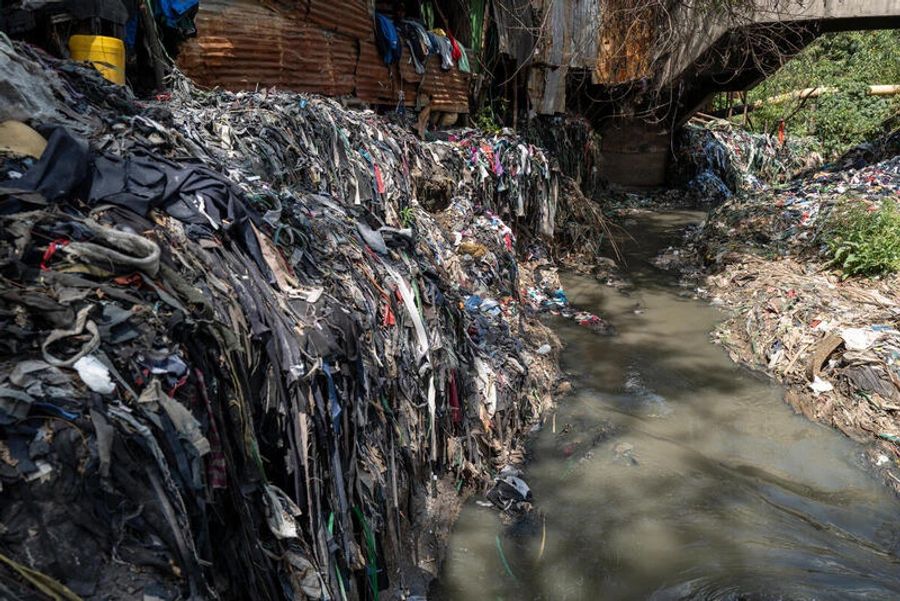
[834, 341]
[574, 143]
[238, 351]
[790, 218]
[718, 159]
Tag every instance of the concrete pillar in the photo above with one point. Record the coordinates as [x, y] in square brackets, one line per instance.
[634, 154]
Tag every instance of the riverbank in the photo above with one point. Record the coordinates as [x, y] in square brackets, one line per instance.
[832, 340]
[259, 345]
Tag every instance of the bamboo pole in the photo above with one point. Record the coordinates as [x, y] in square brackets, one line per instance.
[874, 90]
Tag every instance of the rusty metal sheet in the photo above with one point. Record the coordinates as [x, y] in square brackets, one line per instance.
[569, 33]
[555, 39]
[242, 44]
[547, 89]
[626, 41]
[516, 29]
[349, 17]
[585, 27]
[375, 82]
[447, 90]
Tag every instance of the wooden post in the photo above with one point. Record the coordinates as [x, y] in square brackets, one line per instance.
[746, 107]
[515, 83]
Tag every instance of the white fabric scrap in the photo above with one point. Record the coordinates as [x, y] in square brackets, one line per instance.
[410, 303]
[94, 374]
[281, 512]
[818, 385]
[859, 339]
[488, 390]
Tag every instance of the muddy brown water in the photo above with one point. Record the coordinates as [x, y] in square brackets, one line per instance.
[674, 474]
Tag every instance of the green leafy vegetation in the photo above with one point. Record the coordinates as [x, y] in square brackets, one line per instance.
[864, 240]
[407, 216]
[488, 119]
[849, 62]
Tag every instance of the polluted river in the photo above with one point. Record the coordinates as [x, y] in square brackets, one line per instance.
[671, 473]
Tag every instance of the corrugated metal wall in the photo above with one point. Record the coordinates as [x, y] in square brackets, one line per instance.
[321, 46]
[550, 37]
[328, 47]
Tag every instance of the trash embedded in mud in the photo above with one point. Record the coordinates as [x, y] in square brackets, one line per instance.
[818, 385]
[510, 492]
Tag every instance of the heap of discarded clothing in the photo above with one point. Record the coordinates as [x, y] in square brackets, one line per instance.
[789, 219]
[391, 36]
[870, 152]
[718, 159]
[515, 170]
[508, 172]
[572, 141]
[531, 284]
[237, 349]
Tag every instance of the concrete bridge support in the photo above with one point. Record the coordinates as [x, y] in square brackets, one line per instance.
[715, 53]
[634, 154]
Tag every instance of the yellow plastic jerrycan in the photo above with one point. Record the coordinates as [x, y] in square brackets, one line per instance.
[107, 54]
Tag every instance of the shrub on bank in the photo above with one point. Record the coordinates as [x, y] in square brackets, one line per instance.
[864, 240]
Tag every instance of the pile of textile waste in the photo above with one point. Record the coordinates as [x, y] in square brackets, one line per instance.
[574, 143]
[790, 218]
[717, 159]
[557, 224]
[240, 357]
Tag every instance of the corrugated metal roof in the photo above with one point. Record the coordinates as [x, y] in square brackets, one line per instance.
[375, 83]
[448, 90]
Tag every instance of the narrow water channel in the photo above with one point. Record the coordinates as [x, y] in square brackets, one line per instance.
[671, 473]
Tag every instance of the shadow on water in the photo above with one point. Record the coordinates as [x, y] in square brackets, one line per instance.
[671, 473]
